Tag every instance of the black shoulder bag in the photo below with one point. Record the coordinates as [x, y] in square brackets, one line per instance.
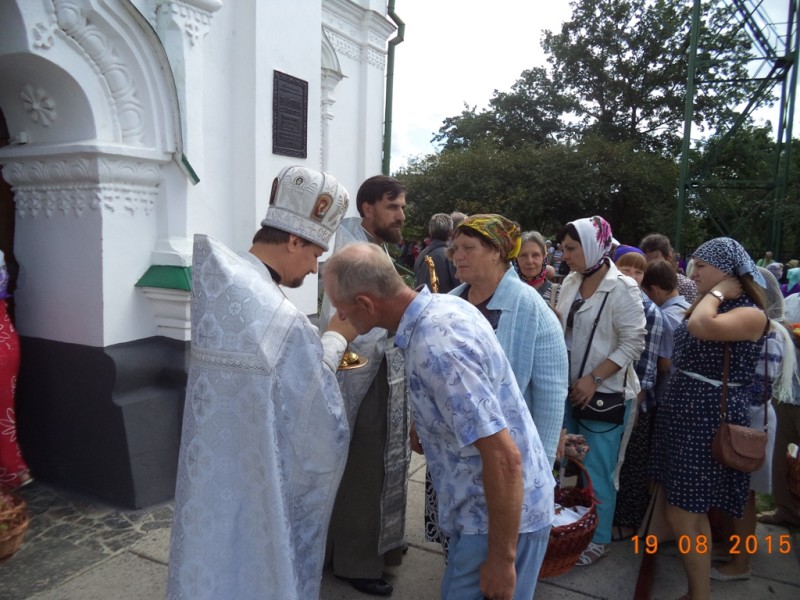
[606, 407]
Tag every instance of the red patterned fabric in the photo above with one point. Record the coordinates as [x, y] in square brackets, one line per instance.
[12, 466]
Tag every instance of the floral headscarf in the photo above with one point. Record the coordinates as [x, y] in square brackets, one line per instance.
[595, 238]
[730, 257]
[502, 232]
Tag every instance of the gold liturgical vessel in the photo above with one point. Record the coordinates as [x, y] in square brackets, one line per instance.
[351, 360]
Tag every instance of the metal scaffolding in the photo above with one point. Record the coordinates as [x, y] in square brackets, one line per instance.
[774, 73]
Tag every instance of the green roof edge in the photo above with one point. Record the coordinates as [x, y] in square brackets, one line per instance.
[169, 277]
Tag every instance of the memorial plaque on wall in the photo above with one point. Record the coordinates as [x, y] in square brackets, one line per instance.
[289, 115]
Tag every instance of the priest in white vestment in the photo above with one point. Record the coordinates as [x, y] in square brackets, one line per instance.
[265, 433]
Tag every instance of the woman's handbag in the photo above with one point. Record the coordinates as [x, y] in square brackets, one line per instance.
[608, 407]
[736, 446]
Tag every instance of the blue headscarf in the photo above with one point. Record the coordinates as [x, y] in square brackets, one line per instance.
[793, 277]
[730, 257]
[623, 249]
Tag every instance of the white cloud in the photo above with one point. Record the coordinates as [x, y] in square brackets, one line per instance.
[458, 52]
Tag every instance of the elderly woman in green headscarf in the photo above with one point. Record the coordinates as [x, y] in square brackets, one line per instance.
[528, 331]
[482, 251]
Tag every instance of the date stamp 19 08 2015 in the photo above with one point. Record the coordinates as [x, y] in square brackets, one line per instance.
[751, 544]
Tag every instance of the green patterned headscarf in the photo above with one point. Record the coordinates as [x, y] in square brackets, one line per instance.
[502, 232]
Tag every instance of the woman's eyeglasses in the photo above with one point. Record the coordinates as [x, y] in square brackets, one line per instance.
[576, 304]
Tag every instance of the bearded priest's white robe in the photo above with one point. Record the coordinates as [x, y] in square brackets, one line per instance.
[264, 443]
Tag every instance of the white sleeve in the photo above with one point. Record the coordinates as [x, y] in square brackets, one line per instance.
[333, 348]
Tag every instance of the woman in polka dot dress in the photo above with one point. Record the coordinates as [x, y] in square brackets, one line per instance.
[728, 309]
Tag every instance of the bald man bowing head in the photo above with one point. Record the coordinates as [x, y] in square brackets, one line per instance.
[487, 462]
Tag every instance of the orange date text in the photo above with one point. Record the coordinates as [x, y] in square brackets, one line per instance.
[700, 544]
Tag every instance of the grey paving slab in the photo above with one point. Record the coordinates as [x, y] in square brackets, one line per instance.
[42, 566]
[123, 577]
[416, 579]
[153, 546]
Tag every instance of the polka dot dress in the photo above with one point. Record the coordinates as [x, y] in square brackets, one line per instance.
[689, 416]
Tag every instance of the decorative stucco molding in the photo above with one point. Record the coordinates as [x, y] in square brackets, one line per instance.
[357, 33]
[331, 75]
[344, 46]
[44, 35]
[350, 49]
[38, 104]
[100, 51]
[375, 59]
[72, 186]
[193, 17]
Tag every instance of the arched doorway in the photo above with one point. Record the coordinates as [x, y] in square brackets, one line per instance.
[91, 124]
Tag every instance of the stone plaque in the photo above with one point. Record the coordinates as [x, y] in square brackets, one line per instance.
[289, 115]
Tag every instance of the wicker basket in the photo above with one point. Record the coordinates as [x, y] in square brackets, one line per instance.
[793, 476]
[567, 542]
[13, 523]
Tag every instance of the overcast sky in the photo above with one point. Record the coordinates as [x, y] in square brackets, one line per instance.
[458, 52]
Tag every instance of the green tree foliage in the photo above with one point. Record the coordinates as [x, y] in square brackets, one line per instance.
[544, 187]
[738, 198]
[625, 64]
[598, 131]
[617, 70]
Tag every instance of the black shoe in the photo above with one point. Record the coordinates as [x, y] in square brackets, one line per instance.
[375, 587]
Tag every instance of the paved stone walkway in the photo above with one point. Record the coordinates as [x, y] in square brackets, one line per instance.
[78, 548]
[69, 533]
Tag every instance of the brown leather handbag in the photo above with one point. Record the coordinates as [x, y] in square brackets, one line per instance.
[736, 446]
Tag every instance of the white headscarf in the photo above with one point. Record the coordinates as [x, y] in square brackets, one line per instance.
[596, 239]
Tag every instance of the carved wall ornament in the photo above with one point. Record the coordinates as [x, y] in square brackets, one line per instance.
[375, 58]
[44, 35]
[72, 186]
[350, 49]
[100, 50]
[344, 46]
[194, 21]
[41, 108]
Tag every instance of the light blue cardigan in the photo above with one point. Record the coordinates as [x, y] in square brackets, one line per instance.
[533, 341]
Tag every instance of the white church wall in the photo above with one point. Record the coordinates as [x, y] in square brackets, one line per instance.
[223, 54]
[239, 163]
[60, 279]
[357, 127]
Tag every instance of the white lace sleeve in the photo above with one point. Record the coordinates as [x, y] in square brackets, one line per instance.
[333, 347]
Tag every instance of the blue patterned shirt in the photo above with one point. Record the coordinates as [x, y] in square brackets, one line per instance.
[654, 325]
[462, 389]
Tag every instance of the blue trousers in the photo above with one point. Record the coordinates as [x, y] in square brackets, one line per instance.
[604, 442]
[467, 553]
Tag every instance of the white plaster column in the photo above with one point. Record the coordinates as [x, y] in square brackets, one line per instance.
[182, 25]
[331, 76]
[79, 220]
[358, 34]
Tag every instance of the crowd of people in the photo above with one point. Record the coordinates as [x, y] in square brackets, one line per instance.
[295, 458]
